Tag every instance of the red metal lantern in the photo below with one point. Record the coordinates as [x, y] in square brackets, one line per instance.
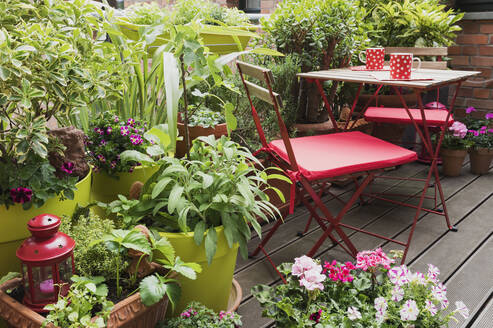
[47, 262]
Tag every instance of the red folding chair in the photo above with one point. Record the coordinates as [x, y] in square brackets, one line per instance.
[312, 160]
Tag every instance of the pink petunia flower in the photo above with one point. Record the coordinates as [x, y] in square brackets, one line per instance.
[124, 131]
[489, 116]
[131, 122]
[109, 129]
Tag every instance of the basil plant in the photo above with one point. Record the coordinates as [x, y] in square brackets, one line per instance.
[220, 185]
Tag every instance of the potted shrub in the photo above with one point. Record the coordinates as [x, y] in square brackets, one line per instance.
[372, 292]
[223, 30]
[481, 152]
[128, 266]
[197, 315]
[454, 149]
[107, 138]
[43, 76]
[204, 207]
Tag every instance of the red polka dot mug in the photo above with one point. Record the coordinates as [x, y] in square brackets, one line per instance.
[374, 58]
[401, 65]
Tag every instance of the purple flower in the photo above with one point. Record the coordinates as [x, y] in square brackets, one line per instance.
[489, 116]
[113, 164]
[101, 158]
[131, 169]
[67, 167]
[21, 195]
[109, 130]
[116, 119]
[131, 122]
[103, 142]
[124, 130]
[315, 316]
[469, 110]
[135, 139]
[99, 131]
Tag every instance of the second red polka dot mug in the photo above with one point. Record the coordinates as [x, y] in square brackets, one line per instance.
[401, 65]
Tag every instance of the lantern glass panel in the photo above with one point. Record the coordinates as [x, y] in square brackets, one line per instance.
[44, 288]
[65, 270]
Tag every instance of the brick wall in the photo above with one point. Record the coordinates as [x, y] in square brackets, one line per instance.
[474, 51]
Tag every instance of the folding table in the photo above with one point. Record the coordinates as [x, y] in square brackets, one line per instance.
[420, 118]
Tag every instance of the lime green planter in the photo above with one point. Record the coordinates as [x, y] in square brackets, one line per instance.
[216, 41]
[213, 285]
[14, 222]
[106, 189]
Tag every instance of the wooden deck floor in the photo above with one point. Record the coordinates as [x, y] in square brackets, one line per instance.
[465, 258]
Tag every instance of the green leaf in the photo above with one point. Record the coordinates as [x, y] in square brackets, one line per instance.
[174, 197]
[199, 231]
[164, 248]
[188, 270]
[231, 122]
[136, 156]
[152, 290]
[210, 244]
[136, 240]
[9, 276]
[173, 291]
[159, 187]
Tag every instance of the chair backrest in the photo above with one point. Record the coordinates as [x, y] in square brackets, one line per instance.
[269, 96]
[438, 52]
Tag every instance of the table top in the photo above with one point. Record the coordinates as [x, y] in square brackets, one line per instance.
[439, 77]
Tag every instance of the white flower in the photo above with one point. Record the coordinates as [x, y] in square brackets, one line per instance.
[444, 303]
[379, 317]
[417, 277]
[397, 294]
[399, 275]
[439, 292]
[430, 307]
[462, 309]
[353, 313]
[312, 279]
[433, 273]
[381, 304]
[409, 311]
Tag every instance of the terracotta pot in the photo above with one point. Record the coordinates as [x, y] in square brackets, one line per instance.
[452, 160]
[128, 313]
[481, 160]
[195, 132]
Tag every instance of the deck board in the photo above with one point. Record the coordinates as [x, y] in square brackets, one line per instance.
[485, 319]
[469, 206]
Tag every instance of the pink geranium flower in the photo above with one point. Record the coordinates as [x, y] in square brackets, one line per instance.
[372, 259]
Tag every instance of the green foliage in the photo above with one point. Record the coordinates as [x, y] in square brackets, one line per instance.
[217, 186]
[197, 315]
[324, 33]
[109, 136]
[412, 23]
[24, 147]
[184, 12]
[9, 276]
[91, 260]
[55, 59]
[86, 297]
[205, 118]
[152, 288]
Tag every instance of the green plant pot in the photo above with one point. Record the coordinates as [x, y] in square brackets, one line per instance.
[106, 189]
[213, 285]
[217, 43]
[14, 222]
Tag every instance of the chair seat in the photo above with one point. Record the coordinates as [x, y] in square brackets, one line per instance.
[434, 117]
[332, 155]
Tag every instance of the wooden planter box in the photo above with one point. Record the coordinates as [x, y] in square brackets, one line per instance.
[128, 313]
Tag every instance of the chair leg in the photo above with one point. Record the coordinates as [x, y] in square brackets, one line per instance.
[273, 265]
[442, 199]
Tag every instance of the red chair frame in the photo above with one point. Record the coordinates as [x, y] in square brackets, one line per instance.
[303, 186]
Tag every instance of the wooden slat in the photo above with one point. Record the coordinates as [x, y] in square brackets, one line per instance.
[256, 71]
[485, 319]
[419, 51]
[473, 282]
[263, 93]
